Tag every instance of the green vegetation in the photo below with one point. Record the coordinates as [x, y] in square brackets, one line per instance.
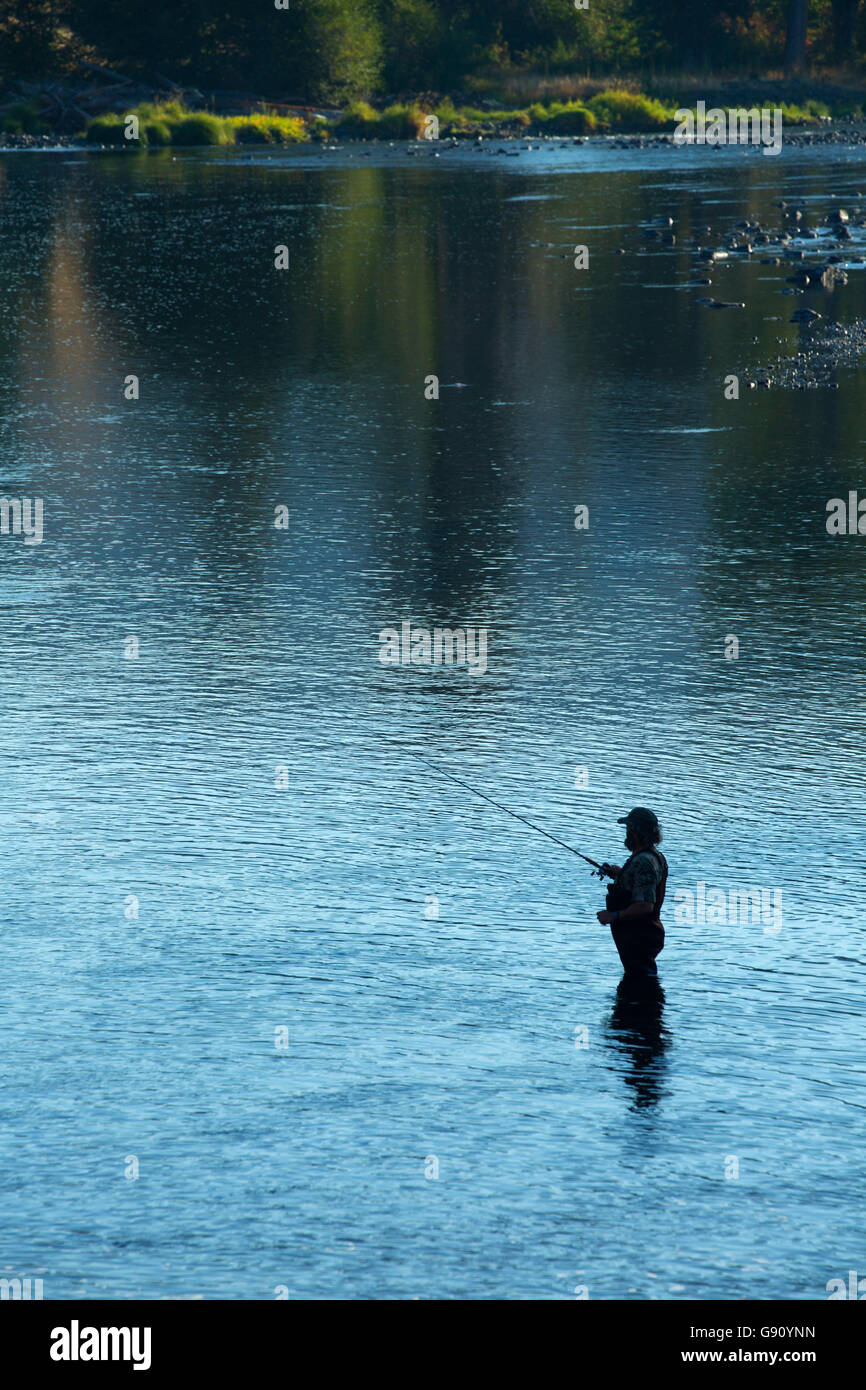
[539, 68]
[267, 128]
[170, 123]
[618, 110]
[359, 121]
[106, 130]
[22, 118]
[608, 112]
[199, 128]
[333, 52]
[565, 118]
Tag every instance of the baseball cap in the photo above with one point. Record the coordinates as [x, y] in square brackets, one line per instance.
[640, 816]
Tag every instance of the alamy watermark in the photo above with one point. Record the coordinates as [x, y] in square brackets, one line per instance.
[846, 518]
[731, 126]
[855, 1288]
[739, 907]
[24, 1289]
[22, 516]
[77, 1343]
[444, 646]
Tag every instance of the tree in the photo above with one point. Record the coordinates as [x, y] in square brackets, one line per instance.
[795, 39]
[343, 46]
[29, 36]
[844, 22]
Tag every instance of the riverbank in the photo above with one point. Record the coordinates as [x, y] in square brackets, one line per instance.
[842, 132]
[197, 118]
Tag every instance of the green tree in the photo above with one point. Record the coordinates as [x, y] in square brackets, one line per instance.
[410, 30]
[795, 37]
[343, 50]
[30, 36]
[844, 26]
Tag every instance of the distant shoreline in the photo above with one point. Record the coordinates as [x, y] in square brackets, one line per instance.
[126, 112]
[829, 132]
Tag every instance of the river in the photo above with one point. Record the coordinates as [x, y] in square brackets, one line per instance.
[287, 1012]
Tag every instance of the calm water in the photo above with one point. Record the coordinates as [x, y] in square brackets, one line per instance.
[308, 906]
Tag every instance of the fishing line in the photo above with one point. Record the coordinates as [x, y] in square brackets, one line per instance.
[460, 783]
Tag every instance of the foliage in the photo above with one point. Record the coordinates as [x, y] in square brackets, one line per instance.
[619, 110]
[172, 124]
[334, 52]
[22, 118]
[265, 129]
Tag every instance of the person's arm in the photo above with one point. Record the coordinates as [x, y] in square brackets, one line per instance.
[633, 912]
[645, 884]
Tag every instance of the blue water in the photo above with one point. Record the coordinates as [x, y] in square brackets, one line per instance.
[227, 835]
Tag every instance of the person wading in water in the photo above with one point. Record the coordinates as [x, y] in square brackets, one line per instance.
[635, 897]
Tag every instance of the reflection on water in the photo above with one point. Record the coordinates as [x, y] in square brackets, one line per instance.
[637, 1033]
[224, 836]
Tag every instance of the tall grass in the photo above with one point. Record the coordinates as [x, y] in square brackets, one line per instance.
[265, 128]
[613, 109]
[399, 122]
[23, 119]
[619, 110]
[169, 123]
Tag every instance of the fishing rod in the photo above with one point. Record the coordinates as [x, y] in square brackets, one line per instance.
[442, 773]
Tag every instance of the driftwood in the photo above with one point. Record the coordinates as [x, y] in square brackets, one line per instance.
[66, 105]
[95, 67]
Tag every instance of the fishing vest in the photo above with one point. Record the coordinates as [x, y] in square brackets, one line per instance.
[619, 898]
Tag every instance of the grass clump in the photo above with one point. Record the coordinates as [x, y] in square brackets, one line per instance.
[402, 122]
[246, 130]
[155, 133]
[170, 123]
[359, 121]
[199, 128]
[617, 110]
[22, 119]
[457, 121]
[265, 128]
[169, 112]
[807, 114]
[564, 118]
[107, 130]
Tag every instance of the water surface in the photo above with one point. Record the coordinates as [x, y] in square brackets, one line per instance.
[302, 899]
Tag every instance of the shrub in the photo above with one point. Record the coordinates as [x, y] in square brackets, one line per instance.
[402, 122]
[570, 118]
[155, 133]
[629, 111]
[359, 120]
[286, 129]
[199, 128]
[247, 131]
[168, 111]
[398, 122]
[265, 128]
[107, 130]
[22, 118]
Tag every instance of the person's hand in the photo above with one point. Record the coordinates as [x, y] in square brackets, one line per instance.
[611, 870]
[604, 917]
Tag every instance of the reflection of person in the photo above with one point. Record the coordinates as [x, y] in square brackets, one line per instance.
[635, 898]
[640, 1036]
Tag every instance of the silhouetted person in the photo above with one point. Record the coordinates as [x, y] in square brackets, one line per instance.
[635, 897]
